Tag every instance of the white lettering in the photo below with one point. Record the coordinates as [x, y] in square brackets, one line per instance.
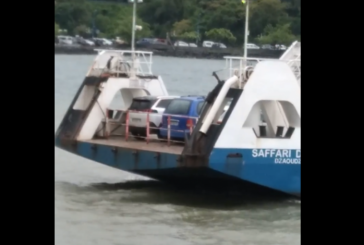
[298, 153]
[285, 153]
[280, 156]
[272, 152]
[261, 153]
[255, 153]
[266, 152]
[279, 153]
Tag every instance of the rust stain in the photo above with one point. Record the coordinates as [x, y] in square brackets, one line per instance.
[68, 144]
[192, 161]
[94, 150]
[136, 158]
[114, 150]
[234, 155]
[157, 156]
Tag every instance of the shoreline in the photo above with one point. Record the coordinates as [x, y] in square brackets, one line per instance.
[180, 52]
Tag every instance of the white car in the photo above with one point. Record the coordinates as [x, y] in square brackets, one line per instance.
[208, 44]
[219, 45]
[139, 109]
[181, 44]
[283, 47]
[89, 42]
[252, 46]
[66, 40]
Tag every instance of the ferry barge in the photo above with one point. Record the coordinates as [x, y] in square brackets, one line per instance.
[240, 146]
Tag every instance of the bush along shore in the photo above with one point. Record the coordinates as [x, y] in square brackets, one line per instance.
[169, 51]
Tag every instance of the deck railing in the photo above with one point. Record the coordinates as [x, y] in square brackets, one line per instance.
[142, 62]
[124, 126]
[235, 65]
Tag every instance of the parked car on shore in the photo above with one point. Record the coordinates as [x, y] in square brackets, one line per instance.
[207, 44]
[84, 42]
[282, 47]
[252, 46]
[103, 41]
[268, 46]
[181, 44]
[144, 42]
[68, 40]
[218, 45]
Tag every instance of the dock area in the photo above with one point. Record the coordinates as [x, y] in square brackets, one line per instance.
[169, 51]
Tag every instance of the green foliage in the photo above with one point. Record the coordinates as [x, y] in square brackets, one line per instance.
[82, 30]
[280, 34]
[181, 27]
[185, 17]
[188, 36]
[124, 29]
[56, 29]
[220, 34]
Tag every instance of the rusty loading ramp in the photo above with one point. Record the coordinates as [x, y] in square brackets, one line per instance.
[140, 145]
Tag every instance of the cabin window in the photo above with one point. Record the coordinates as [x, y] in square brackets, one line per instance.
[273, 119]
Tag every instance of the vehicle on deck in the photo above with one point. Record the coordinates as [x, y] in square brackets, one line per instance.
[139, 110]
[183, 113]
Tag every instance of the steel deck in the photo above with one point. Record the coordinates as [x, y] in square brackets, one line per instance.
[152, 146]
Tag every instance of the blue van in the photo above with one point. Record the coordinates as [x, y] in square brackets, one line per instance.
[180, 110]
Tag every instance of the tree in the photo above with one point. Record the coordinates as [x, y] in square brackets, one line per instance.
[220, 34]
[82, 30]
[181, 17]
[162, 14]
[280, 34]
[264, 13]
[124, 30]
[56, 29]
[181, 27]
[69, 15]
[188, 36]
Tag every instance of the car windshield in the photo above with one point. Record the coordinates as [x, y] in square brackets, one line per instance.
[179, 107]
[140, 104]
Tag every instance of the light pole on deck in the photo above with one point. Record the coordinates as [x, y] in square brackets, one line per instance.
[134, 28]
[133, 25]
[244, 62]
[246, 34]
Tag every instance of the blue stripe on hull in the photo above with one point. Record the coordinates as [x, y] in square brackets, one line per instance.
[124, 158]
[282, 174]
